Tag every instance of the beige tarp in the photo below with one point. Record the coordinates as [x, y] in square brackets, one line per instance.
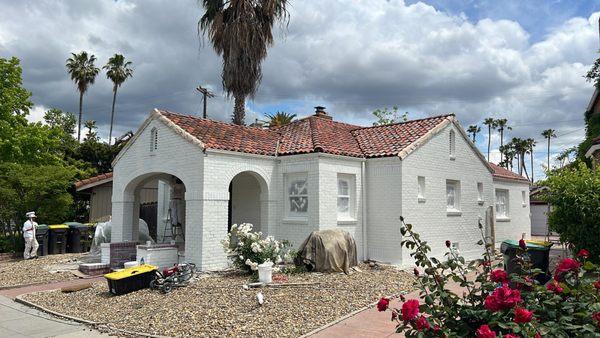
[328, 251]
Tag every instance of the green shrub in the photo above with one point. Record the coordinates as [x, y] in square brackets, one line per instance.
[574, 194]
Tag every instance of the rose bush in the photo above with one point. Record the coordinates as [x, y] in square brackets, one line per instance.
[249, 249]
[494, 304]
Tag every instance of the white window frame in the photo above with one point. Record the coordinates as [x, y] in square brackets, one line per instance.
[505, 216]
[454, 209]
[295, 178]
[350, 195]
[524, 198]
[421, 190]
[452, 144]
[480, 198]
[153, 140]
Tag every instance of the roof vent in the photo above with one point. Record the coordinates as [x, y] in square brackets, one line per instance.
[320, 112]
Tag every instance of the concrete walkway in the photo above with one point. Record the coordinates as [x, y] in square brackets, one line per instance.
[20, 321]
[14, 292]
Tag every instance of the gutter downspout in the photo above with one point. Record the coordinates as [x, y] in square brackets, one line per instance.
[363, 191]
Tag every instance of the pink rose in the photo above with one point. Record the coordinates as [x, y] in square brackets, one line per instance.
[554, 287]
[502, 298]
[565, 266]
[523, 315]
[410, 310]
[485, 332]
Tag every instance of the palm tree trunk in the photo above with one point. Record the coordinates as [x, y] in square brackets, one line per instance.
[523, 166]
[112, 114]
[80, 114]
[501, 142]
[548, 169]
[238, 110]
[531, 156]
[489, 141]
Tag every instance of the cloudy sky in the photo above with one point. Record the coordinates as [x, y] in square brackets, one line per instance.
[524, 61]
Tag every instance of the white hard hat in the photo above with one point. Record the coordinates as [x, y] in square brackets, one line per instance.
[30, 214]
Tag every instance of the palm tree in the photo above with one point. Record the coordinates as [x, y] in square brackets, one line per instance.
[280, 118]
[531, 143]
[491, 123]
[509, 152]
[117, 70]
[241, 31]
[502, 124]
[83, 73]
[521, 147]
[473, 130]
[548, 134]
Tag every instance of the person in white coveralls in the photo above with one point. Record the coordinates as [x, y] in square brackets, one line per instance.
[31, 244]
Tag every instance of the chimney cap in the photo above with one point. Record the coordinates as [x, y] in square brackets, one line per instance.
[319, 109]
[320, 112]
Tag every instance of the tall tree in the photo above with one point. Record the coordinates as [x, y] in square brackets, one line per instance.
[241, 32]
[510, 153]
[473, 130]
[548, 134]
[502, 124]
[531, 143]
[491, 123]
[522, 148]
[280, 118]
[83, 72]
[117, 70]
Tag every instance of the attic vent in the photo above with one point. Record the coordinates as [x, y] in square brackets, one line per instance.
[153, 139]
[320, 112]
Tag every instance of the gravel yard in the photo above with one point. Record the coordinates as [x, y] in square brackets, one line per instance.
[217, 305]
[42, 270]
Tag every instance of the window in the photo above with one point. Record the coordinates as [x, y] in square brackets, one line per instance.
[153, 139]
[345, 199]
[421, 191]
[452, 196]
[297, 195]
[524, 198]
[502, 204]
[452, 142]
[480, 192]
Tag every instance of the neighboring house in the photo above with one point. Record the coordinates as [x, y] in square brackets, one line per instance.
[539, 212]
[313, 174]
[594, 152]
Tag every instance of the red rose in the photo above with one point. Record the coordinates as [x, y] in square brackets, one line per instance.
[554, 287]
[498, 276]
[522, 244]
[485, 332]
[502, 298]
[510, 335]
[523, 315]
[448, 243]
[410, 310]
[422, 324]
[597, 285]
[583, 253]
[565, 266]
[383, 304]
[486, 263]
[538, 335]
[596, 317]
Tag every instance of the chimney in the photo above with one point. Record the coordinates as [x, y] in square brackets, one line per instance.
[320, 112]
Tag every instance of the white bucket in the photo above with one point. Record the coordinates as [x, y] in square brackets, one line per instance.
[130, 264]
[265, 272]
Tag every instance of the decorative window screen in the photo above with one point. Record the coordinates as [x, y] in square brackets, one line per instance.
[452, 142]
[452, 195]
[502, 203]
[479, 192]
[298, 195]
[153, 139]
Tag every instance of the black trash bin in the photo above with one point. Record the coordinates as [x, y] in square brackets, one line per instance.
[41, 235]
[537, 252]
[78, 237]
[57, 239]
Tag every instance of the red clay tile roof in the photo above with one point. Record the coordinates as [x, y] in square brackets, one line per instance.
[504, 173]
[94, 179]
[308, 135]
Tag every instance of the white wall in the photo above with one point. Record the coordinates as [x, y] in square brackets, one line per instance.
[519, 220]
[539, 219]
[430, 217]
[384, 207]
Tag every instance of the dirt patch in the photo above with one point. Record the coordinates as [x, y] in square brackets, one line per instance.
[45, 269]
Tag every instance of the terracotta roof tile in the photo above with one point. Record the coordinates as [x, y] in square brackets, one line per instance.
[93, 179]
[504, 173]
[308, 135]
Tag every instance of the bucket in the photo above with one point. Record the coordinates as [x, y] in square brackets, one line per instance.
[130, 264]
[265, 272]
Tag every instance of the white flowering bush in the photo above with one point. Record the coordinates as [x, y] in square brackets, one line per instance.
[249, 249]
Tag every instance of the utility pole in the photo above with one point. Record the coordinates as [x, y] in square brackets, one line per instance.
[205, 94]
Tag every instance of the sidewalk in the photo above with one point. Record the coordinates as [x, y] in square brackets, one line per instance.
[20, 321]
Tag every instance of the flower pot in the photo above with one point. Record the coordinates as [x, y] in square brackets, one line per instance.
[265, 272]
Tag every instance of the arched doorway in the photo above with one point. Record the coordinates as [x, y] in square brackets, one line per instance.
[247, 193]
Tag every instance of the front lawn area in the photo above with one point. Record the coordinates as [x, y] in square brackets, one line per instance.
[217, 305]
[45, 269]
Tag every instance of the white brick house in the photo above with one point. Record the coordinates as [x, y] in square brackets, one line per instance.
[313, 174]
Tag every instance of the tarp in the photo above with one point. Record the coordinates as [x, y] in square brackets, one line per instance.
[102, 235]
[328, 251]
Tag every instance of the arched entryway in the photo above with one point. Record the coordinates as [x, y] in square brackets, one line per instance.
[247, 194]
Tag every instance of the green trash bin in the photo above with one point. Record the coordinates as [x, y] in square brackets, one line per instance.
[78, 237]
[41, 235]
[57, 239]
[537, 252]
